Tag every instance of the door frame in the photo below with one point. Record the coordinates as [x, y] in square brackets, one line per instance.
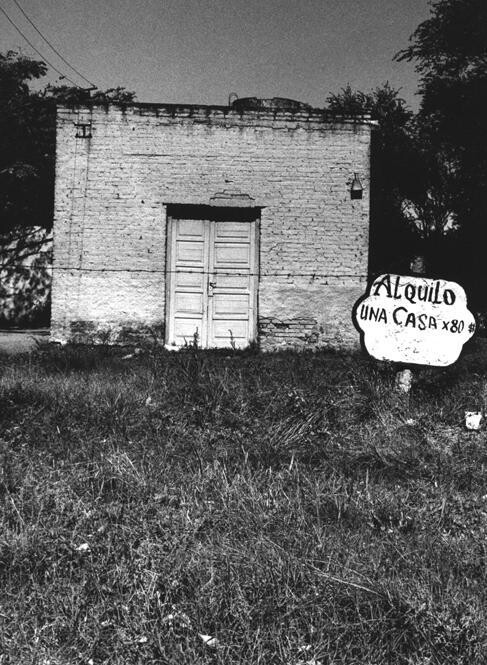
[210, 213]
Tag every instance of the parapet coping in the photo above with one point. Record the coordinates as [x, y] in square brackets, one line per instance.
[202, 111]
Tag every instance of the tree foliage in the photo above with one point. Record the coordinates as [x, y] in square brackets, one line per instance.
[71, 96]
[27, 138]
[450, 53]
[16, 70]
[450, 46]
[429, 171]
[24, 150]
[392, 239]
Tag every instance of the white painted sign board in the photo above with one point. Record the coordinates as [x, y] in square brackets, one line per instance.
[414, 320]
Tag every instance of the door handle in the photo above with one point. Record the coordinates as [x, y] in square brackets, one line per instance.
[211, 286]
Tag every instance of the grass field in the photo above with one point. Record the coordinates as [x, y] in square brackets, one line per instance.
[238, 508]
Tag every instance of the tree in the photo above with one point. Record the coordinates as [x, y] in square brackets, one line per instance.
[392, 239]
[27, 138]
[23, 152]
[450, 52]
[27, 167]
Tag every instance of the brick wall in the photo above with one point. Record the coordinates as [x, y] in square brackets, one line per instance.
[110, 219]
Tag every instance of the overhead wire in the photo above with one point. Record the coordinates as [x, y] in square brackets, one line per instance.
[53, 48]
[36, 49]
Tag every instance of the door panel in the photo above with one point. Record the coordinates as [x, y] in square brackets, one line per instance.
[187, 299]
[231, 229]
[191, 280]
[231, 302]
[190, 227]
[230, 282]
[231, 255]
[212, 270]
[190, 253]
[189, 303]
[236, 335]
[230, 305]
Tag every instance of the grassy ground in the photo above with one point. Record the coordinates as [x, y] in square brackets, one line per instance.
[289, 507]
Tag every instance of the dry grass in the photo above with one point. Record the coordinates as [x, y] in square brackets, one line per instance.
[288, 506]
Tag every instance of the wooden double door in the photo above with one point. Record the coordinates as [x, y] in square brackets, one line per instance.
[212, 265]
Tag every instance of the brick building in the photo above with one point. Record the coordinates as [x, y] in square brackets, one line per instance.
[223, 224]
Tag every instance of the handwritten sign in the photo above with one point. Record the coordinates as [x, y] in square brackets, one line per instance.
[414, 320]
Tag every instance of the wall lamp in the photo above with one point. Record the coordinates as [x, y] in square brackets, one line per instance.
[356, 190]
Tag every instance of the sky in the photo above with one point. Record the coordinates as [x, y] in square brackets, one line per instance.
[185, 51]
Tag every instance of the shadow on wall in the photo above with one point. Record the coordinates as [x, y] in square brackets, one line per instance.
[25, 277]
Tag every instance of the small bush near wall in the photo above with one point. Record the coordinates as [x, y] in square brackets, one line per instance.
[25, 277]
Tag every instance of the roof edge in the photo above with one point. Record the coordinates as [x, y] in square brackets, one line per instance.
[196, 109]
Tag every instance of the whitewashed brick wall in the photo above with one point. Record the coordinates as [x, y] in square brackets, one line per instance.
[110, 217]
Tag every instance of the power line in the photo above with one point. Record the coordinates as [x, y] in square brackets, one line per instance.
[53, 48]
[35, 49]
